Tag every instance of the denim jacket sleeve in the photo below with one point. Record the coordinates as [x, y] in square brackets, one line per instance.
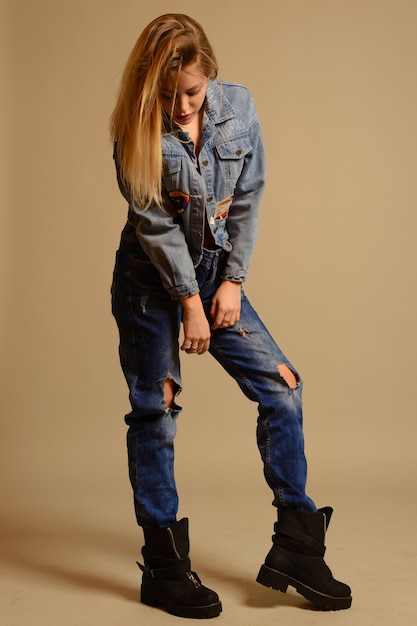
[162, 239]
[237, 178]
[242, 222]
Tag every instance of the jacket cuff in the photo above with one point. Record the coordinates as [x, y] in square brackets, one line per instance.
[184, 291]
[234, 275]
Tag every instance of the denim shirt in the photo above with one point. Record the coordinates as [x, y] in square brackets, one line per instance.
[220, 189]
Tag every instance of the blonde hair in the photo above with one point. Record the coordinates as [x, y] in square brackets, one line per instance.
[167, 44]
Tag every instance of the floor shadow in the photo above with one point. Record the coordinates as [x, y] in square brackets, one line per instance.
[51, 551]
[253, 594]
[64, 552]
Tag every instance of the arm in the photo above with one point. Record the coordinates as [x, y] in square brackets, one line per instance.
[162, 238]
[164, 242]
[242, 221]
[242, 226]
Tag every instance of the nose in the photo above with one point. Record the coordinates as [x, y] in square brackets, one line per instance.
[182, 104]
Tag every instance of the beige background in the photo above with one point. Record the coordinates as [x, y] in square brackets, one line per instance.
[334, 277]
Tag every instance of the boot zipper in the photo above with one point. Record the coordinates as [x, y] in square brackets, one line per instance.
[172, 538]
[193, 580]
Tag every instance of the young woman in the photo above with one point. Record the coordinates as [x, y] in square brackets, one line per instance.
[190, 162]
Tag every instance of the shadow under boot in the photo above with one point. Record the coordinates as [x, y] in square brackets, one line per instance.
[167, 579]
[296, 560]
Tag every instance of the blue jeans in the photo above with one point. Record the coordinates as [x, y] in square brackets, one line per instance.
[149, 325]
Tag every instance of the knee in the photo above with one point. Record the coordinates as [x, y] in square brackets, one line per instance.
[169, 392]
[288, 375]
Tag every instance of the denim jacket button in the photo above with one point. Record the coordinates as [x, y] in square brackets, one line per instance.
[209, 198]
[239, 152]
[205, 162]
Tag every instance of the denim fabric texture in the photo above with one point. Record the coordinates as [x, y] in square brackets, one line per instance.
[149, 324]
[161, 259]
[220, 190]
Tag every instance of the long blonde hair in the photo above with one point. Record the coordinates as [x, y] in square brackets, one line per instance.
[167, 44]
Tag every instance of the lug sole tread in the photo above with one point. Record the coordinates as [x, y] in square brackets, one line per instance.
[193, 612]
[280, 582]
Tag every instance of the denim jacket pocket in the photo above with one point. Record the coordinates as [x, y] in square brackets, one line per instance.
[232, 154]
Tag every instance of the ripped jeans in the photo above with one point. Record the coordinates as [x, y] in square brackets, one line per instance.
[149, 325]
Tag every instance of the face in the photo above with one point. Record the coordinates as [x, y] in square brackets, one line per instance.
[188, 87]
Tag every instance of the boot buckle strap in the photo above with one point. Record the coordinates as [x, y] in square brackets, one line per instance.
[166, 572]
[303, 538]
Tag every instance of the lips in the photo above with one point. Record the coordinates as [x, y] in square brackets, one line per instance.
[184, 119]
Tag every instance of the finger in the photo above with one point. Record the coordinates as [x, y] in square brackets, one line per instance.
[187, 343]
[204, 346]
[218, 320]
[213, 308]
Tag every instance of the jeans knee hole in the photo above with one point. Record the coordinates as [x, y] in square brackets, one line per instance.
[171, 390]
[288, 375]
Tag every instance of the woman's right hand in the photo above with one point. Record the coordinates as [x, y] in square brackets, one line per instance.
[196, 326]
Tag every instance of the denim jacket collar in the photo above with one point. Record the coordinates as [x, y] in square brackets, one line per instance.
[218, 108]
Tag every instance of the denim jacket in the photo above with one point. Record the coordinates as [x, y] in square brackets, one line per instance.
[221, 188]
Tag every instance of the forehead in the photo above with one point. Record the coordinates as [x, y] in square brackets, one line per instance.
[189, 76]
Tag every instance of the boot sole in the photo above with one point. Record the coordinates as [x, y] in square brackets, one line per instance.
[196, 612]
[280, 582]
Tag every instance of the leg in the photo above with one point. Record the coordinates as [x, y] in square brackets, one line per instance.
[148, 322]
[248, 352]
[250, 355]
[287, 375]
[150, 445]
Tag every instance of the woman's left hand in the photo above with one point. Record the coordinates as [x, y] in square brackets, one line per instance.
[225, 305]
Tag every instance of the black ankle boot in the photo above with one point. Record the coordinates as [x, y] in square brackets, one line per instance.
[167, 579]
[296, 559]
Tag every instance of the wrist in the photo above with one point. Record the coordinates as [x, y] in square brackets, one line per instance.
[192, 303]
